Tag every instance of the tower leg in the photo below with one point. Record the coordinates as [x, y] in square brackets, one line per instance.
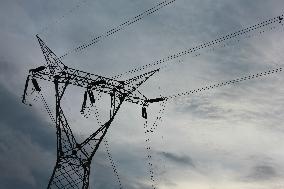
[72, 169]
[70, 173]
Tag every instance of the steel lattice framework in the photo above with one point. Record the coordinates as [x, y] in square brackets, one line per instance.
[72, 168]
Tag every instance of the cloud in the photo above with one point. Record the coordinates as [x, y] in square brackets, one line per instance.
[262, 173]
[180, 160]
[26, 145]
[202, 107]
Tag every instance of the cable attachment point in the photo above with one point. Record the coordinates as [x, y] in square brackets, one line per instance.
[87, 93]
[144, 110]
[36, 85]
[155, 100]
[146, 104]
[38, 69]
[280, 18]
[84, 103]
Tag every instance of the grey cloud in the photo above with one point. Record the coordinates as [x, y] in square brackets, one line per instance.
[6, 67]
[178, 159]
[131, 169]
[23, 162]
[262, 173]
[20, 118]
[201, 107]
[25, 145]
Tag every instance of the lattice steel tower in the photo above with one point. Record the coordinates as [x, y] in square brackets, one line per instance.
[72, 168]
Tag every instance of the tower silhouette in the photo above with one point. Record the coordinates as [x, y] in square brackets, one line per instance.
[72, 168]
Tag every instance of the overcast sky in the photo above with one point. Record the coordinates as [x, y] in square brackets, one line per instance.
[230, 137]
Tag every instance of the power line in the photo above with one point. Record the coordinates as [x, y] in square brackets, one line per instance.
[47, 108]
[148, 131]
[60, 19]
[210, 50]
[275, 20]
[119, 28]
[237, 41]
[149, 155]
[106, 144]
[234, 81]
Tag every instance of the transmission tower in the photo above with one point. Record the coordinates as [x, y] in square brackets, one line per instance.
[72, 168]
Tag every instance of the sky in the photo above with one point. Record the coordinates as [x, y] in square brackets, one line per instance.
[229, 137]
